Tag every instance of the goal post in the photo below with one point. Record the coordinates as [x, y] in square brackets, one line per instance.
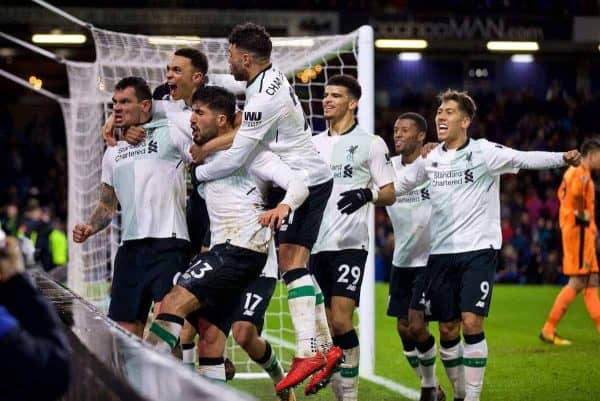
[366, 118]
[307, 61]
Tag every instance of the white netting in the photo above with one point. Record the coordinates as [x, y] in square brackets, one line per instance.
[307, 61]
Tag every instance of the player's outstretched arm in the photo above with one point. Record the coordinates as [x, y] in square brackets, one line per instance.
[101, 216]
[221, 142]
[501, 159]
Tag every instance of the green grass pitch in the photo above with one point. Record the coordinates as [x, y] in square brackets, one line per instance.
[520, 367]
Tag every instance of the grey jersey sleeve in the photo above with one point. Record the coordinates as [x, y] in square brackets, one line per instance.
[502, 160]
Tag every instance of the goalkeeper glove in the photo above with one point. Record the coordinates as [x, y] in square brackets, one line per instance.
[354, 199]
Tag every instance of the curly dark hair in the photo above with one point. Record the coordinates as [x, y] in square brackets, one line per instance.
[253, 38]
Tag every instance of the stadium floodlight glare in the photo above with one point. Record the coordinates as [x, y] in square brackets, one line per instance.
[174, 40]
[292, 42]
[409, 56]
[401, 44]
[59, 38]
[522, 58]
[512, 46]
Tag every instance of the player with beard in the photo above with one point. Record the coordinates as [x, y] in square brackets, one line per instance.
[273, 118]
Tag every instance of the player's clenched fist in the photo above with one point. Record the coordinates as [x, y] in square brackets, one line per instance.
[572, 157]
[81, 232]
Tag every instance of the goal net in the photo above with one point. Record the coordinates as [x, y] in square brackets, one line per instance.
[307, 61]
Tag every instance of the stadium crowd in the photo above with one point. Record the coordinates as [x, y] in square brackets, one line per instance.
[33, 184]
[34, 180]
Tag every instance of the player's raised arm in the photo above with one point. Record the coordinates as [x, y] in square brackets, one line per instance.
[501, 159]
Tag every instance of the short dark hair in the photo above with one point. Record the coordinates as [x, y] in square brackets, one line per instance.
[141, 88]
[591, 144]
[348, 82]
[252, 37]
[419, 120]
[197, 58]
[465, 102]
[217, 99]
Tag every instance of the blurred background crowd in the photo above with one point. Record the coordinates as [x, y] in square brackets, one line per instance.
[33, 184]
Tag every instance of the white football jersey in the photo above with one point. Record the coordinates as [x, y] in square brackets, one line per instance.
[176, 111]
[464, 185]
[149, 182]
[357, 160]
[234, 203]
[274, 116]
[410, 216]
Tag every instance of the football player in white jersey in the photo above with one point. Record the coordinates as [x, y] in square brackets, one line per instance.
[244, 316]
[185, 72]
[362, 175]
[410, 216]
[273, 118]
[464, 185]
[147, 181]
[240, 234]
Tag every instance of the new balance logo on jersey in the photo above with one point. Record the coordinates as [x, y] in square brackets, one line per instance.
[152, 147]
[469, 175]
[351, 287]
[480, 304]
[388, 160]
[347, 171]
[425, 194]
[351, 150]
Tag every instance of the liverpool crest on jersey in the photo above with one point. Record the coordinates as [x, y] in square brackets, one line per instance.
[351, 151]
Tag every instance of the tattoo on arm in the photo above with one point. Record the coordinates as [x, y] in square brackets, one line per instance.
[107, 204]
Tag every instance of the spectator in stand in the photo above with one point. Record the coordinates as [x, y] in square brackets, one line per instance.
[32, 341]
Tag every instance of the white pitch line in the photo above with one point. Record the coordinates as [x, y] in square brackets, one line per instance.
[407, 392]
